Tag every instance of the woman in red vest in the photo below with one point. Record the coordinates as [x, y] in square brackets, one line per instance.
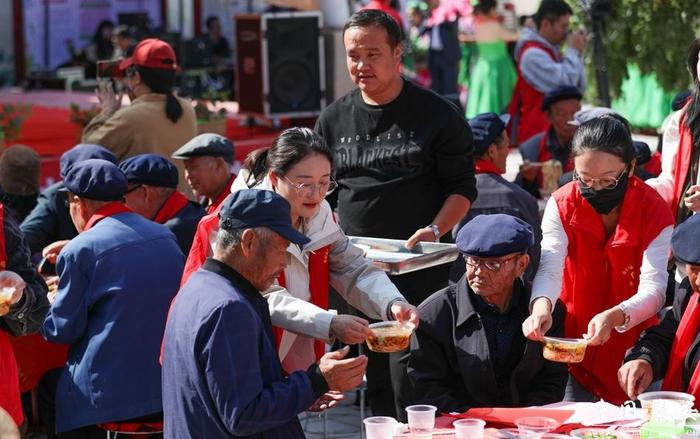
[298, 167]
[605, 247]
[679, 182]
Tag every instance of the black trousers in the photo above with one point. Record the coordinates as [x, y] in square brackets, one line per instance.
[389, 390]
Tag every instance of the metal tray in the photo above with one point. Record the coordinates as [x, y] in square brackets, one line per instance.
[392, 256]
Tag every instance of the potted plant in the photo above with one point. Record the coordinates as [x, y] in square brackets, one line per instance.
[211, 116]
[12, 117]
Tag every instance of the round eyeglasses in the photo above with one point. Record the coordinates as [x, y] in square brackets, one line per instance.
[490, 264]
[310, 189]
[603, 182]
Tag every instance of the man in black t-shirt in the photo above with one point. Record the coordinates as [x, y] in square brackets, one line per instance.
[403, 161]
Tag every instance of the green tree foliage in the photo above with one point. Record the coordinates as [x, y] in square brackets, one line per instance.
[654, 34]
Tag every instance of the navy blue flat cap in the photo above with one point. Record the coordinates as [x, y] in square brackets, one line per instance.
[96, 179]
[206, 144]
[560, 93]
[151, 170]
[685, 241]
[492, 236]
[642, 152]
[486, 128]
[84, 151]
[249, 208]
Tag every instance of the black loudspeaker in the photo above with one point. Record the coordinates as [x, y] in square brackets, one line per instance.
[280, 59]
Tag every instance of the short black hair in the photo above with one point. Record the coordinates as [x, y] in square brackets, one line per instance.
[210, 20]
[485, 6]
[551, 10]
[608, 133]
[375, 17]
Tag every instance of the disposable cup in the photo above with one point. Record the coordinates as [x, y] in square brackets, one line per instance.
[380, 427]
[421, 419]
[469, 428]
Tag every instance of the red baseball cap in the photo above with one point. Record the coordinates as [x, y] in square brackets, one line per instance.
[153, 53]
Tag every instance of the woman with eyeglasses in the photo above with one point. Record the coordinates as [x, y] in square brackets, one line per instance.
[298, 166]
[605, 248]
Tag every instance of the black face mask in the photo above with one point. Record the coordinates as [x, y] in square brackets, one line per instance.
[605, 200]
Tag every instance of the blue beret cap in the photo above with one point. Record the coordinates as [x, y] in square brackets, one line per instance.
[84, 151]
[249, 208]
[150, 169]
[491, 236]
[96, 179]
[486, 128]
[685, 241]
[560, 93]
[206, 144]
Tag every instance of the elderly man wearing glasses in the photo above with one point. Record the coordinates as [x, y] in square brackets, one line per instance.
[469, 350]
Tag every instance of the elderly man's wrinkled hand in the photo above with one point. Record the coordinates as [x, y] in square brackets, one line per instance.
[326, 401]
[51, 251]
[342, 374]
[635, 377]
[11, 290]
[405, 312]
[350, 329]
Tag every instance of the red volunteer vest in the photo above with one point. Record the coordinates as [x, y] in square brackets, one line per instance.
[318, 286]
[600, 273]
[214, 206]
[9, 377]
[681, 165]
[526, 104]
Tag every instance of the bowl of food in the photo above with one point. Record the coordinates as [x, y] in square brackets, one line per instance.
[599, 433]
[675, 402]
[564, 350]
[389, 336]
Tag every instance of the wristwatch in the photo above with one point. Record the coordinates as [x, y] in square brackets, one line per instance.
[436, 231]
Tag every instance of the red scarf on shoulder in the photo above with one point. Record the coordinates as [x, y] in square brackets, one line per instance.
[682, 341]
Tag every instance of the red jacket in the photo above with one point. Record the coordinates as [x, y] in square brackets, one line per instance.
[600, 273]
[526, 105]
[682, 163]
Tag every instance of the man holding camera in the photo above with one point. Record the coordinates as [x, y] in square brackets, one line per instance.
[156, 121]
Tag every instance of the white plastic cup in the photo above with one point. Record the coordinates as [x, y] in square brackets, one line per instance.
[469, 428]
[380, 427]
[421, 420]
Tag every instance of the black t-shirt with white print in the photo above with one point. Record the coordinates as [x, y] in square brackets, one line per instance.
[396, 163]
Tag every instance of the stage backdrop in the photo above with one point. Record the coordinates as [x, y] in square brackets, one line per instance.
[72, 20]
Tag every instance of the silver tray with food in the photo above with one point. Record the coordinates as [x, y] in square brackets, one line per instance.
[392, 256]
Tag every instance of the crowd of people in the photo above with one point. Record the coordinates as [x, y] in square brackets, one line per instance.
[211, 319]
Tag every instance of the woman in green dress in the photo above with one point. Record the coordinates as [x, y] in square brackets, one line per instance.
[493, 75]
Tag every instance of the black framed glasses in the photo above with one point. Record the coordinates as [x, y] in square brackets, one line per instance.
[128, 191]
[489, 264]
[310, 189]
[603, 182]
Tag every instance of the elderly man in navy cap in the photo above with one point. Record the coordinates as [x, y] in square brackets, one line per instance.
[208, 168]
[222, 376]
[496, 194]
[153, 193]
[559, 105]
[117, 278]
[469, 350]
[669, 351]
[50, 221]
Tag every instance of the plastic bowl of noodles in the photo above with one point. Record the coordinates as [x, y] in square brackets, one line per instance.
[389, 336]
[682, 402]
[564, 350]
